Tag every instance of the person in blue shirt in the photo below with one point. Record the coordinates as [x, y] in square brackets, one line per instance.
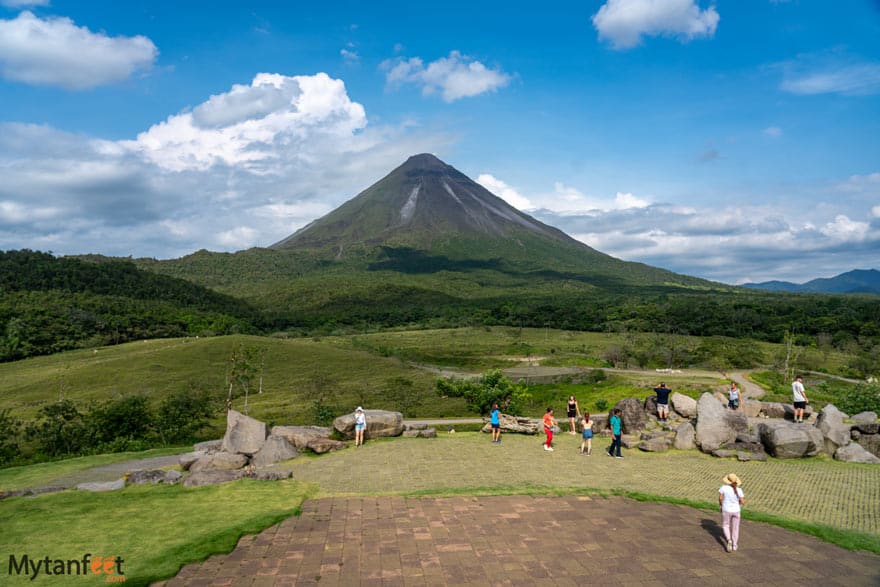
[614, 423]
[495, 420]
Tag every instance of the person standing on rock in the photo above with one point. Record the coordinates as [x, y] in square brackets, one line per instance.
[799, 398]
[360, 424]
[587, 435]
[733, 396]
[614, 424]
[731, 499]
[549, 423]
[495, 421]
[573, 413]
[662, 402]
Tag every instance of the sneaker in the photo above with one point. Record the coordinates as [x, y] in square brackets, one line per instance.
[550, 448]
[609, 454]
[729, 546]
[735, 546]
[618, 457]
[547, 447]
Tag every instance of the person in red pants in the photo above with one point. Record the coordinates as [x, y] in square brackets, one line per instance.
[549, 423]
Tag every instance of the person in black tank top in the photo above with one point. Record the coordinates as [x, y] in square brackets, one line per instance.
[573, 413]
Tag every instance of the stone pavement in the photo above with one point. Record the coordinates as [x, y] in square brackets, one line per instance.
[522, 540]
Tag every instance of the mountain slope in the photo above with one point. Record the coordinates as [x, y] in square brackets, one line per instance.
[426, 216]
[856, 281]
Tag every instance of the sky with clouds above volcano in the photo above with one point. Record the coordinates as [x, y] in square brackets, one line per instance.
[735, 141]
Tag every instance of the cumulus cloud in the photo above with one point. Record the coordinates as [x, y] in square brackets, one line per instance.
[504, 191]
[772, 132]
[257, 127]
[246, 167]
[624, 22]
[454, 77]
[56, 52]
[735, 244]
[831, 72]
[350, 56]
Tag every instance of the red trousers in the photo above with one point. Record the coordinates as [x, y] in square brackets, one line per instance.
[549, 433]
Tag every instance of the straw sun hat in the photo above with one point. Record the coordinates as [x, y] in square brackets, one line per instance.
[731, 478]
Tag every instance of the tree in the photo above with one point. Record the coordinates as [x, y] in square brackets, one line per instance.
[241, 369]
[183, 414]
[9, 429]
[491, 388]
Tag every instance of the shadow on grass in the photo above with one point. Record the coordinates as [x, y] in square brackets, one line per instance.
[714, 530]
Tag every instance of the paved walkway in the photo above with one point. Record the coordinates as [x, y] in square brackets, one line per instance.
[522, 540]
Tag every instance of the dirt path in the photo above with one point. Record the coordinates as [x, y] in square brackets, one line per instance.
[750, 390]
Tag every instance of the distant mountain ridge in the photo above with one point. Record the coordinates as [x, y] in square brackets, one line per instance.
[855, 281]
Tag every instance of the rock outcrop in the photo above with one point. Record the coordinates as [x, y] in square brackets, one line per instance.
[787, 440]
[685, 437]
[275, 450]
[244, 435]
[632, 415]
[716, 425]
[684, 405]
[379, 423]
[836, 432]
[300, 436]
[855, 453]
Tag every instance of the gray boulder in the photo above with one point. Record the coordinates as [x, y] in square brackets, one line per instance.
[651, 405]
[871, 443]
[724, 453]
[99, 486]
[656, 444]
[684, 405]
[685, 437]
[300, 436]
[379, 423]
[751, 408]
[200, 478]
[866, 422]
[275, 450]
[629, 440]
[716, 425]
[745, 456]
[855, 453]
[428, 433]
[411, 433]
[517, 424]
[836, 433]
[271, 475]
[324, 445]
[219, 461]
[774, 410]
[632, 415]
[151, 477]
[187, 459]
[172, 477]
[208, 445]
[244, 435]
[787, 440]
[417, 426]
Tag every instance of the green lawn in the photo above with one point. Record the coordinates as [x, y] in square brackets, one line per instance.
[155, 529]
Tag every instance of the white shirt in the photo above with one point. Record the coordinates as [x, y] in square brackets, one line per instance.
[730, 500]
[797, 390]
[360, 418]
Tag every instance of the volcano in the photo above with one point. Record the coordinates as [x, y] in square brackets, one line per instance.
[426, 216]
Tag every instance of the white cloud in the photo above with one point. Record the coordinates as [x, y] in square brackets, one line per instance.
[844, 229]
[350, 56]
[624, 22]
[243, 168]
[772, 131]
[571, 201]
[869, 183]
[455, 77]
[255, 126]
[875, 211]
[56, 52]
[830, 72]
[504, 191]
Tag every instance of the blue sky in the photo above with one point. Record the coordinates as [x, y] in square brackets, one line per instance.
[736, 140]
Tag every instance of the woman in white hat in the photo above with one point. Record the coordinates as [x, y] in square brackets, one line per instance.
[360, 424]
[731, 499]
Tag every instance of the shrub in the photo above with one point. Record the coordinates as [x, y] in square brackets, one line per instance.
[126, 417]
[182, 415]
[60, 429]
[601, 404]
[864, 398]
[9, 429]
[491, 388]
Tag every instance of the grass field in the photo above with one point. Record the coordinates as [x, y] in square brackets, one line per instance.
[156, 529]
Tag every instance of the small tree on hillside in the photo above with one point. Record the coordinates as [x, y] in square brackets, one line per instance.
[241, 370]
[491, 388]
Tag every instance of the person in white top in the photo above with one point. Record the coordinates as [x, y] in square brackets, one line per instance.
[799, 398]
[360, 424]
[731, 499]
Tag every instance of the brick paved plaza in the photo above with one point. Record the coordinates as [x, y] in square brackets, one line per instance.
[522, 540]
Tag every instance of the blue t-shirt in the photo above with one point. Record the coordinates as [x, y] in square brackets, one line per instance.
[615, 425]
[662, 394]
[494, 416]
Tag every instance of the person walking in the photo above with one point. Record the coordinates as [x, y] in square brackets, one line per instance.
[495, 421]
[549, 423]
[733, 396]
[573, 413]
[587, 434]
[614, 424]
[360, 424]
[799, 398]
[662, 402]
[731, 499]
